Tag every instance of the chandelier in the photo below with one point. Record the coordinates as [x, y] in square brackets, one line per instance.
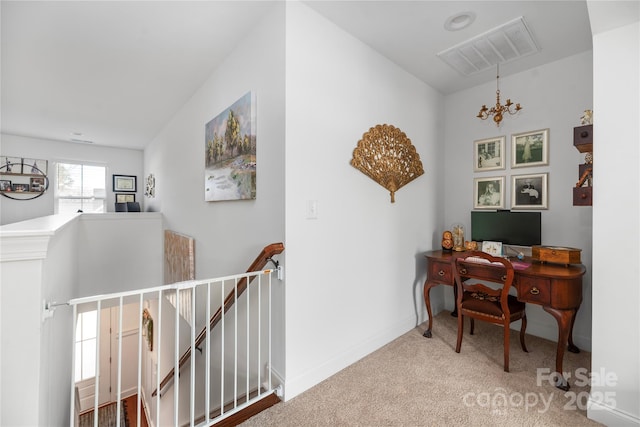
[499, 110]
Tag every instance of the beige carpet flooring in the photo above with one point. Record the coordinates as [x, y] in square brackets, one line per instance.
[416, 381]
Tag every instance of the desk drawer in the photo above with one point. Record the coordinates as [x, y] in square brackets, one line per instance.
[534, 289]
[440, 272]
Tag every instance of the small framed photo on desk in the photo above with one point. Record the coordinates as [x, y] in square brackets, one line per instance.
[492, 248]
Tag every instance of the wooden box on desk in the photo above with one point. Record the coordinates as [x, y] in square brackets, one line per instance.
[556, 254]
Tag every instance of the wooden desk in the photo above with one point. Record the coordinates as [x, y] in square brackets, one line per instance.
[557, 288]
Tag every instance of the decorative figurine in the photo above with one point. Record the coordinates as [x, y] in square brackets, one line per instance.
[471, 245]
[447, 240]
[587, 118]
[458, 237]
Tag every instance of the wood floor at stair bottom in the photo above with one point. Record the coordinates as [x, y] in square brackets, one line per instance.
[249, 412]
[132, 412]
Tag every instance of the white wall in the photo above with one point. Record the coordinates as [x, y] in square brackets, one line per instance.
[59, 284]
[354, 274]
[229, 234]
[110, 243]
[117, 161]
[616, 228]
[554, 96]
[31, 363]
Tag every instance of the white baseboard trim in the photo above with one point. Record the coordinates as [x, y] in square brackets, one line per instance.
[609, 416]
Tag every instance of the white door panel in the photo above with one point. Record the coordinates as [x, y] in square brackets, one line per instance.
[130, 325]
[109, 347]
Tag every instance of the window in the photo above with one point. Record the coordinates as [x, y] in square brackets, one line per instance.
[80, 187]
[86, 339]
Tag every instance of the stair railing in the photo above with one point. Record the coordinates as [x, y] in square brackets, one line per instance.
[259, 263]
[226, 411]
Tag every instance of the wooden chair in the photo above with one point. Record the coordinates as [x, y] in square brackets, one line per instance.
[479, 301]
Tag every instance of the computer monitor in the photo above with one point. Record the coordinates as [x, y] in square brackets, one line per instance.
[511, 228]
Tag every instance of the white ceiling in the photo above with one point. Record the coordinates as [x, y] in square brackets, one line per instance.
[116, 72]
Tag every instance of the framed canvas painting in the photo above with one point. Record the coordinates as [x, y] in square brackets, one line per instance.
[230, 152]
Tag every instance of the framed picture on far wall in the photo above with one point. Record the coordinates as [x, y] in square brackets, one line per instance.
[37, 184]
[529, 191]
[530, 149]
[124, 183]
[34, 167]
[10, 165]
[124, 198]
[488, 154]
[488, 193]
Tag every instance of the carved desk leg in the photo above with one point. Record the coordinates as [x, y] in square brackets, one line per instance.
[565, 322]
[572, 347]
[427, 301]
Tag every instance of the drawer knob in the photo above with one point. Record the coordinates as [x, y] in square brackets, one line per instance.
[441, 273]
[534, 291]
[463, 271]
[504, 278]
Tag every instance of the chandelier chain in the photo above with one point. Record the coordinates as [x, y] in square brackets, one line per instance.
[499, 110]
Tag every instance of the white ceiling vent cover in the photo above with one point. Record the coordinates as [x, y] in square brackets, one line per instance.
[502, 44]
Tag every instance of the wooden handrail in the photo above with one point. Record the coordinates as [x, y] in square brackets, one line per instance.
[258, 264]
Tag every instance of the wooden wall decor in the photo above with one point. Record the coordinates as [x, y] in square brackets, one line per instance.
[179, 266]
[387, 156]
[179, 257]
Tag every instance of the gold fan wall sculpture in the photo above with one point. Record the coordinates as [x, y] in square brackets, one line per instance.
[386, 155]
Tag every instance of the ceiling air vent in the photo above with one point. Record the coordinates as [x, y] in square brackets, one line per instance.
[502, 44]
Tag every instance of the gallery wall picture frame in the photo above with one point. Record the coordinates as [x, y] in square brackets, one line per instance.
[125, 183]
[530, 191]
[488, 193]
[5, 185]
[125, 197]
[530, 148]
[488, 154]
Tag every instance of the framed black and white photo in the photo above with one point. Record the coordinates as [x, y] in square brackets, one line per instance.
[488, 154]
[530, 149]
[124, 183]
[529, 191]
[125, 198]
[488, 193]
[5, 185]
